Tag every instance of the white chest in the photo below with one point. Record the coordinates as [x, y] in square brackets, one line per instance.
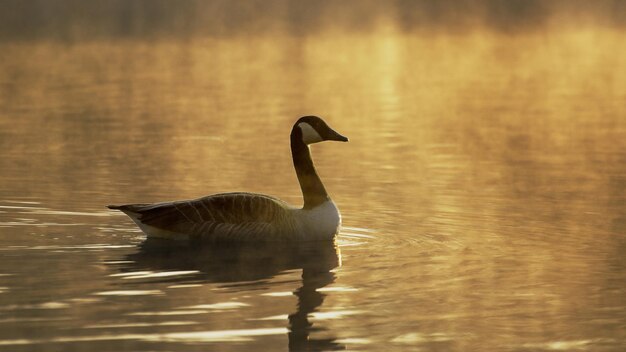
[321, 222]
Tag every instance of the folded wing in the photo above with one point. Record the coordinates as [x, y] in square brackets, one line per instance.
[227, 216]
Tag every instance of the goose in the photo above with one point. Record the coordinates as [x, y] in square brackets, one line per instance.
[244, 217]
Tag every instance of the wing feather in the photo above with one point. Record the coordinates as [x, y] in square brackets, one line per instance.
[220, 216]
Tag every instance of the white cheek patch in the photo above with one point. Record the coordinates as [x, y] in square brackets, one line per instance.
[309, 134]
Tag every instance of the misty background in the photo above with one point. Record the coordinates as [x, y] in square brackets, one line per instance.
[70, 20]
[483, 191]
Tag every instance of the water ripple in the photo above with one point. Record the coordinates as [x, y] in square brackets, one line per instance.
[152, 274]
[187, 337]
[139, 325]
[219, 306]
[65, 247]
[130, 293]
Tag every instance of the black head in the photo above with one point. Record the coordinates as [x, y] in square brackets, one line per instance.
[313, 130]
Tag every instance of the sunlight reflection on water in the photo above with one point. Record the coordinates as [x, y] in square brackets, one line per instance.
[482, 192]
[188, 337]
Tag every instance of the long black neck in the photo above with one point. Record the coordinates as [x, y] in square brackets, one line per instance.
[313, 190]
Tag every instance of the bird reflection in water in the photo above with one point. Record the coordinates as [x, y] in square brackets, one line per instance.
[232, 263]
[309, 299]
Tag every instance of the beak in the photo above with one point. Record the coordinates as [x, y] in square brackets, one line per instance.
[337, 137]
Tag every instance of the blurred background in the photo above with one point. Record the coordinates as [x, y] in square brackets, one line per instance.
[69, 20]
[483, 191]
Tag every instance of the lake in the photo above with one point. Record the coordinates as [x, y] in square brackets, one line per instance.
[483, 190]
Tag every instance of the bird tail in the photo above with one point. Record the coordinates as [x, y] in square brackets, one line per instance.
[128, 209]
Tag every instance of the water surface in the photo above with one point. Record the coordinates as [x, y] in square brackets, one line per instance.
[483, 191]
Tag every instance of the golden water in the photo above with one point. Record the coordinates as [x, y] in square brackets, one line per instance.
[483, 190]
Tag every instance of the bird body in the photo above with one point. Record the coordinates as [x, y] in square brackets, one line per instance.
[240, 216]
[235, 216]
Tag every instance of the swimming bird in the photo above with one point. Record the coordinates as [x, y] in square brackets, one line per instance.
[242, 216]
